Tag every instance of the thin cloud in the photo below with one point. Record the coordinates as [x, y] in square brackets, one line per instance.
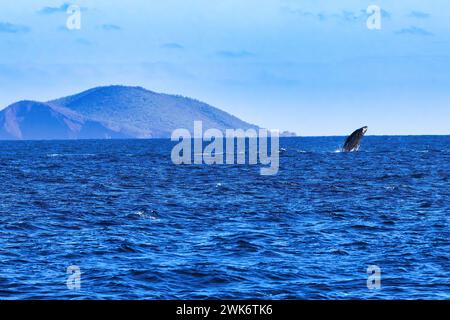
[110, 27]
[344, 15]
[419, 14]
[61, 9]
[385, 14]
[308, 14]
[51, 10]
[414, 31]
[7, 27]
[172, 45]
[234, 54]
[83, 41]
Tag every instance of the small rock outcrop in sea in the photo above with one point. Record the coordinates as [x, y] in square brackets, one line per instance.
[288, 134]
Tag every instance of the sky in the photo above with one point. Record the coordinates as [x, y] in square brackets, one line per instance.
[307, 66]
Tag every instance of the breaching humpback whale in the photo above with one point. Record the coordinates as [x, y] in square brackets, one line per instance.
[354, 140]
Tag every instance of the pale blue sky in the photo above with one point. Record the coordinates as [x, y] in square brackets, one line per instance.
[308, 66]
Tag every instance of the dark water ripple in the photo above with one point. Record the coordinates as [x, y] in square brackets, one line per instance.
[140, 227]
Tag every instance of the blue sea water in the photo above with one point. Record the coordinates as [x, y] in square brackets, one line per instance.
[140, 227]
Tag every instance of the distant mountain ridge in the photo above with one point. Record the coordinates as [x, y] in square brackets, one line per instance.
[111, 112]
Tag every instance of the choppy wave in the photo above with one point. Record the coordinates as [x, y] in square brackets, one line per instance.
[140, 227]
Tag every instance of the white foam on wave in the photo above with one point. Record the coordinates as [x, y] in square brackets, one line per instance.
[142, 214]
[216, 153]
[53, 155]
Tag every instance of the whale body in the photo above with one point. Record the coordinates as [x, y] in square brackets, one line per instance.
[354, 140]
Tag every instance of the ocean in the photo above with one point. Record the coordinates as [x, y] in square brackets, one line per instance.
[136, 226]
